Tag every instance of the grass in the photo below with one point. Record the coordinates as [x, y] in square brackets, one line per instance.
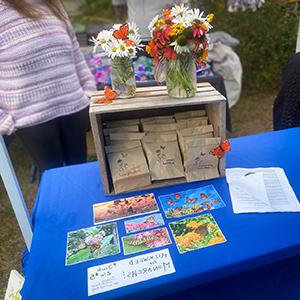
[252, 114]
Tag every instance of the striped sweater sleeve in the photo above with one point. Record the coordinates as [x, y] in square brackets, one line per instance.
[7, 124]
[86, 78]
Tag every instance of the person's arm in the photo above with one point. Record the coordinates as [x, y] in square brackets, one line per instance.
[86, 78]
[7, 124]
[119, 9]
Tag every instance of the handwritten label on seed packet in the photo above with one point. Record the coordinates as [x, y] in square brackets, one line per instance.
[129, 271]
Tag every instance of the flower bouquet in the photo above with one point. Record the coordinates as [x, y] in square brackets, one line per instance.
[120, 44]
[179, 42]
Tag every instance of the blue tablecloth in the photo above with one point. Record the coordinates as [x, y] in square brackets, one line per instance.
[64, 203]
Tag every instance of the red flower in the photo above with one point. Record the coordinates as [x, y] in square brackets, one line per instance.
[169, 53]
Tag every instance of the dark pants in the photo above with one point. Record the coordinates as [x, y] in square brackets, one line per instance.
[58, 142]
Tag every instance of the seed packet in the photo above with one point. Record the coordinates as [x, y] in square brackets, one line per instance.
[163, 157]
[193, 122]
[126, 136]
[159, 127]
[120, 123]
[158, 120]
[131, 128]
[199, 163]
[128, 166]
[190, 114]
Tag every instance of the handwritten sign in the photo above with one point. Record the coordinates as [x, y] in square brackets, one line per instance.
[129, 271]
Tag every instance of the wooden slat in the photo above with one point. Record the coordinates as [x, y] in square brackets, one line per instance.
[154, 95]
[155, 103]
[152, 88]
[150, 94]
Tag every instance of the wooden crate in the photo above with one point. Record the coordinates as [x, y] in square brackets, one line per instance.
[154, 101]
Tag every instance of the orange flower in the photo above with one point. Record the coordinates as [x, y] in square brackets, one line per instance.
[193, 237]
[194, 224]
[128, 42]
[204, 56]
[151, 48]
[203, 26]
[216, 240]
[167, 13]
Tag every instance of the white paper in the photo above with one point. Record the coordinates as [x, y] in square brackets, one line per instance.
[129, 271]
[261, 190]
[15, 284]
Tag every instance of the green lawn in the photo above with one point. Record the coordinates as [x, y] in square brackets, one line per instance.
[253, 114]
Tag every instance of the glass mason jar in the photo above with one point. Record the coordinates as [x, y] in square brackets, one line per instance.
[181, 77]
[122, 77]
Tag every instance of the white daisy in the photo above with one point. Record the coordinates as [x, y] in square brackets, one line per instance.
[132, 28]
[96, 43]
[195, 14]
[182, 49]
[182, 14]
[103, 38]
[179, 10]
[116, 26]
[152, 24]
[123, 49]
[133, 34]
[114, 49]
[131, 51]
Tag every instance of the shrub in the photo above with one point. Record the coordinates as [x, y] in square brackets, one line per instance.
[268, 38]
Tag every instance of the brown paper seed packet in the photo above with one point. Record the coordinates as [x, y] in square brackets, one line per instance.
[128, 166]
[199, 163]
[159, 127]
[190, 114]
[120, 123]
[131, 128]
[163, 157]
[193, 122]
[126, 136]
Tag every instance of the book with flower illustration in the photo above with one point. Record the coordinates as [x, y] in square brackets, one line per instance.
[195, 233]
[146, 240]
[92, 243]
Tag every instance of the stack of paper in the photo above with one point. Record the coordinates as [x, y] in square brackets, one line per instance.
[261, 190]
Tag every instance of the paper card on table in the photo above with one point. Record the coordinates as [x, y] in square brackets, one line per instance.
[129, 271]
[146, 240]
[15, 284]
[191, 202]
[92, 243]
[261, 190]
[124, 208]
[142, 223]
[195, 233]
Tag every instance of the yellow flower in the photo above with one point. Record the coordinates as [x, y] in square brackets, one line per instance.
[182, 241]
[160, 22]
[194, 224]
[193, 237]
[209, 18]
[216, 240]
[176, 30]
[204, 56]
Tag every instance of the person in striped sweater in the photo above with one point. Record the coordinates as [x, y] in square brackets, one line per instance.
[44, 82]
